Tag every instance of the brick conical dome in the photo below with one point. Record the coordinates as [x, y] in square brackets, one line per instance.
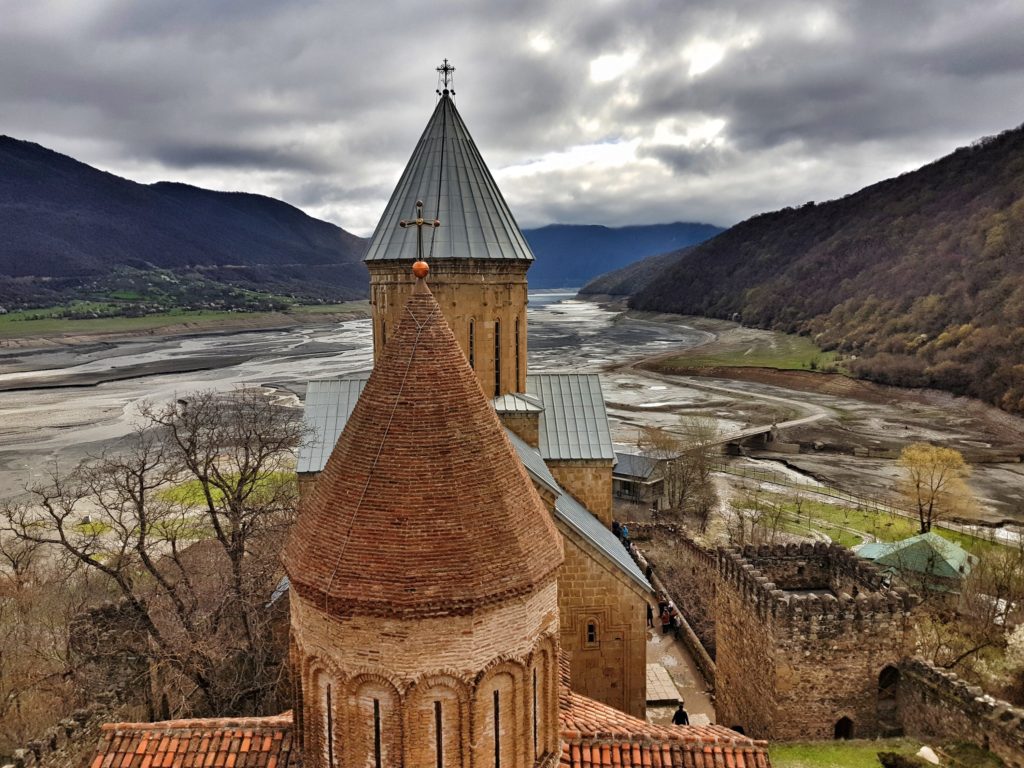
[423, 508]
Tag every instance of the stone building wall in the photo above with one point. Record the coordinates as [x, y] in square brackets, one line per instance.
[936, 704]
[794, 664]
[525, 425]
[610, 665]
[590, 482]
[484, 293]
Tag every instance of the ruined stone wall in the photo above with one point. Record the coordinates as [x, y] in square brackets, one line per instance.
[590, 482]
[612, 666]
[792, 665]
[484, 293]
[936, 704]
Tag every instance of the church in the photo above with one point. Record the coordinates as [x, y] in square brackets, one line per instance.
[457, 598]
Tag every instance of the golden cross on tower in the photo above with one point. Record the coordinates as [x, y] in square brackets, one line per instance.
[444, 73]
[419, 222]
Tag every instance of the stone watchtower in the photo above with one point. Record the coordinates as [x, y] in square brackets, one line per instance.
[424, 611]
[478, 258]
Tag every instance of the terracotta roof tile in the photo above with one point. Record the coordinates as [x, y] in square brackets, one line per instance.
[255, 742]
[423, 508]
[595, 735]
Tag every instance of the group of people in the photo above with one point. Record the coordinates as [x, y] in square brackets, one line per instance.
[669, 614]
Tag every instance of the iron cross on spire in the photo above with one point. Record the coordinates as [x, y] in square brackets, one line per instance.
[419, 222]
[444, 73]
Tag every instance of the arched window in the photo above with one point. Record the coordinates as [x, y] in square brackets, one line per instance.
[329, 725]
[376, 740]
[472, 344]
[497, 358]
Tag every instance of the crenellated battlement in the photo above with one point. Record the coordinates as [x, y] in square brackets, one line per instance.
[811, 586]
[935, 703]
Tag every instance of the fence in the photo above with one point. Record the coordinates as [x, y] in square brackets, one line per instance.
[865, 503]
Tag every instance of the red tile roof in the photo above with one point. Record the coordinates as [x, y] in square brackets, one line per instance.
[595, 735]
[423, 508]
[252, 742]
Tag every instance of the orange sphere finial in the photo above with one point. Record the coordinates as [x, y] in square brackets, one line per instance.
[420, 269]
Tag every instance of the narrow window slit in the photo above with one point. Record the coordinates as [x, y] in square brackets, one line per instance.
[376, 733]
[330, 728]
[497, 730]
[438, 735]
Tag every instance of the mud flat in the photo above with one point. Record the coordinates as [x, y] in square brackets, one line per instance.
[853, 445]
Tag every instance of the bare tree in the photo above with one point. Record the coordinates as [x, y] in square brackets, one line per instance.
[184, 526]
[35, 605]
[934, 482]
[686, 462]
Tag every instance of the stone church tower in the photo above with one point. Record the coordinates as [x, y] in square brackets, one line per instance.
[478, 257]
[423, 564]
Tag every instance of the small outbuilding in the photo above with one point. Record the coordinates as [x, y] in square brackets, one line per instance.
[928, 559]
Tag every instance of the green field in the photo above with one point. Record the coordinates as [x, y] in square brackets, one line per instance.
[837, 754]
[43, 322]
[775, 350]
[882, 525]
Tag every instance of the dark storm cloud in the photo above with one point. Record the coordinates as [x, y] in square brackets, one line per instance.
[613, 111]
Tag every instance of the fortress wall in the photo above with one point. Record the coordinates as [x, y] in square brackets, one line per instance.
[936, 704]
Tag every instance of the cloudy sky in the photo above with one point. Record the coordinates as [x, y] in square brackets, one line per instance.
[610, 111]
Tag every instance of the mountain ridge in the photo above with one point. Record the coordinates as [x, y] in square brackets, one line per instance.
[918, 279]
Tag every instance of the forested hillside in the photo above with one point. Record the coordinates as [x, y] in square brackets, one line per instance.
[570, 254]
[66, 225]
[920, 277]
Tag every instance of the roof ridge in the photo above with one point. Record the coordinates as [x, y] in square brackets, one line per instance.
[282, 719]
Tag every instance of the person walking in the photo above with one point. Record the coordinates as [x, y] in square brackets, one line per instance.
[650, 616]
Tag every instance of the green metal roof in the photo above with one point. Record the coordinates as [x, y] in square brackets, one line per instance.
[448, 174]
[927, 553]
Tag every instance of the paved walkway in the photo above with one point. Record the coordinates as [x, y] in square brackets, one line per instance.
[668, 652]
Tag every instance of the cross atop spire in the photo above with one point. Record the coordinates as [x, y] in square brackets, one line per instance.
[444, 76]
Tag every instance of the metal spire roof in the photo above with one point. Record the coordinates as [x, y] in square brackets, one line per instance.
[448, 174]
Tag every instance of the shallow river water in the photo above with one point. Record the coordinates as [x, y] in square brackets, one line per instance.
[56, 405]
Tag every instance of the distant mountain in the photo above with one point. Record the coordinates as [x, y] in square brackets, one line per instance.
[64, 225]
[569, 255]
[920, 277]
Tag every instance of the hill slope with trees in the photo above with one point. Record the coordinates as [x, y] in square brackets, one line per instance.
[67, 225]
[919, 278]
[569, 255]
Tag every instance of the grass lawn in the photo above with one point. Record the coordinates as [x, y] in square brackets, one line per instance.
[882, 525]
[47, 321]
[837, 754]
[190, 493]
[777, 350]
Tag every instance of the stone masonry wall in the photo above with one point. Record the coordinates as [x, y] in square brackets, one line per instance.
[936, 704]
[689, 572]
[590, 482]
[613, 668]
[791, 665]
[484, 292]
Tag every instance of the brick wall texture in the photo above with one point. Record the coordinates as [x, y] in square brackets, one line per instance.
[401, 669]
